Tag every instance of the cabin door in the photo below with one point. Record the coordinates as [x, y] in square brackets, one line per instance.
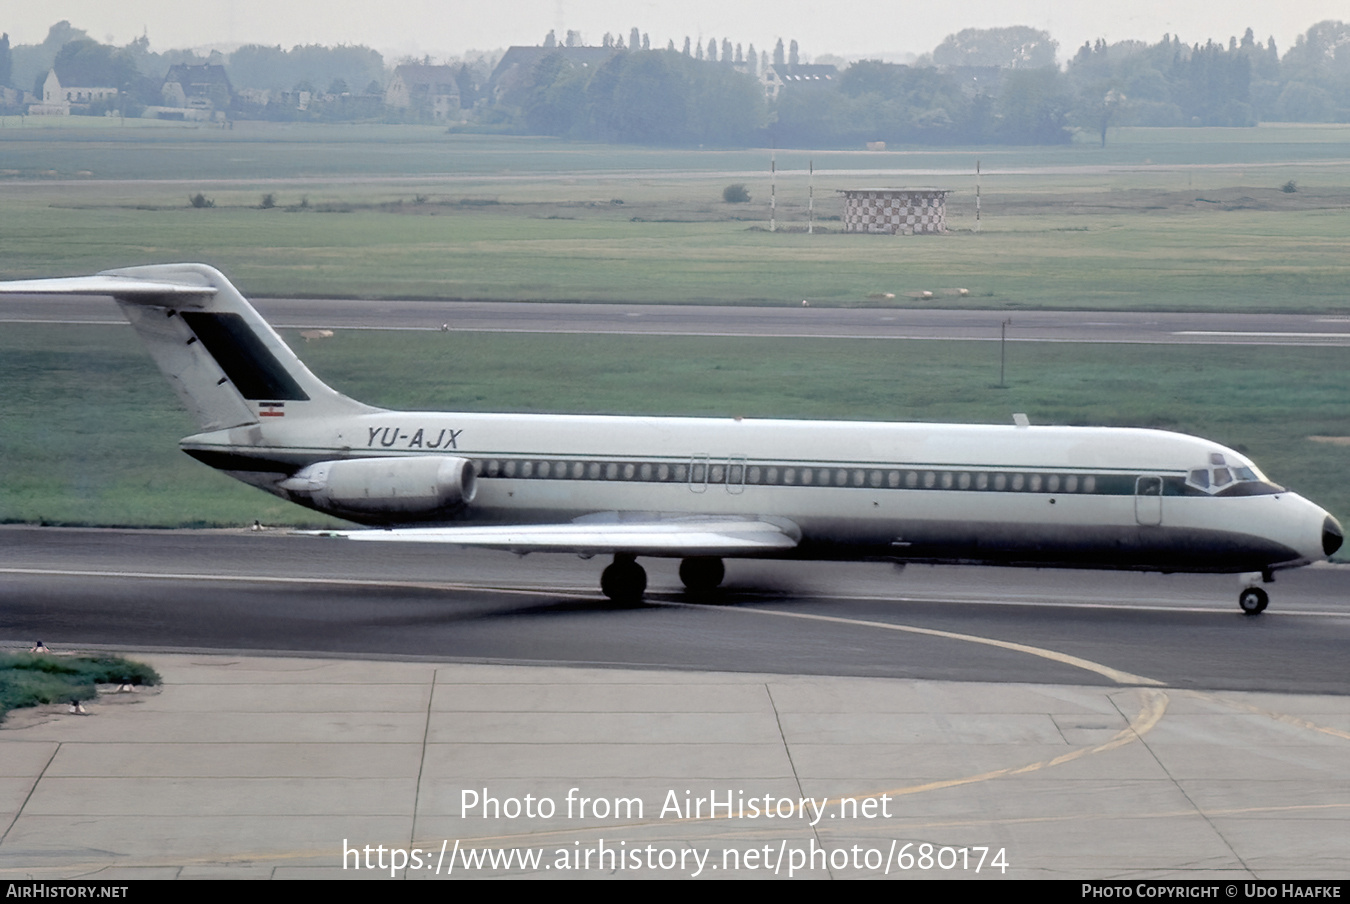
[698, 473]
[1148, 493]
[736, 474]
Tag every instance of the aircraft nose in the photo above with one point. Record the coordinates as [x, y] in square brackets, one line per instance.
[1331, 536]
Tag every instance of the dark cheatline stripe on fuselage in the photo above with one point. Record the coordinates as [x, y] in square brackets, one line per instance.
[253, 370]
[737, 475]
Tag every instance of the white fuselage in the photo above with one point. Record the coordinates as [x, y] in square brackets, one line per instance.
[1065, 496]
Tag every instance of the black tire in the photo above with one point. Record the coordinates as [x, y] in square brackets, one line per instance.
[702, 574]
[624, 582]
[1253, 600]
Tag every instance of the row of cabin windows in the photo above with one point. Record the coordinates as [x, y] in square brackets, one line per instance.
[738, 473]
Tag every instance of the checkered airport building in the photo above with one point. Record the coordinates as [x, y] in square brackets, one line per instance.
[903, 211]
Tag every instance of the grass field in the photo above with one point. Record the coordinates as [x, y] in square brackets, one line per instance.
[1183, 219]
[91, 429]
[1166, 219]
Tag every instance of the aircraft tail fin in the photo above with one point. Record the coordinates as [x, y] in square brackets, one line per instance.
[227, 365]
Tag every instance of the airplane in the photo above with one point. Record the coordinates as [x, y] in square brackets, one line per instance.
[703, 489]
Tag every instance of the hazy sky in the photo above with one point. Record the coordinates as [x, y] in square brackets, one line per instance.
[444, 27]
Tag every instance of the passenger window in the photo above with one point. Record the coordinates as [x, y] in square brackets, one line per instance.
[612, 470]
[645, 472]
[1089, 484]
[771, 476]
[874, 478]
[510, 469]
[1000, 481]
[1018, 481]
[1035, 483]
[911, 478]
[929, 480]
[893, 478]
[752, 475]
[629, 470]
[963, 482]
[594, 470]
[544, 469]
[982, 481]
[1071, 483]
[789, 476]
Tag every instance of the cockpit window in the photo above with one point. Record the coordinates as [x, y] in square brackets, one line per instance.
[1223, 478]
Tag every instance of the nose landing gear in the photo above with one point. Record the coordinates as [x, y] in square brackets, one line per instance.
[1253, 600]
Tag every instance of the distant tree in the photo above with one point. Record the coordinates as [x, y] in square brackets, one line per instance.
[712, 50]
[726, 52]
[1016, 47]
[87, 62]
[337, 86]
[574, 38]
[752, 59]
[467, 84]
[736, 194]
[698, 51]
[686, 45]
[550, 40]
[1033, 108]
[778, 59]
[792, 53]
[634, 38]
[607, 40]
[670, 45]
[6, 61]
[647, 42]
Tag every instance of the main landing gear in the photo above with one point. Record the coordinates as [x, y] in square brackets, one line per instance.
[625, 581]
[1253, 600]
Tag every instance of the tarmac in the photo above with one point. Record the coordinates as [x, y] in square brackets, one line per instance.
[299, 768]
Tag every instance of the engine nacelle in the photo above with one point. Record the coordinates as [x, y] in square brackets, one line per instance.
[420, 485]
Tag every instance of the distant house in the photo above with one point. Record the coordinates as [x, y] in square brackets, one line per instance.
[193, 91]
[427, 92]
[775, 78]
[62, 100]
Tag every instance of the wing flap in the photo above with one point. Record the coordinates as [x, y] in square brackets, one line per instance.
[682, 537]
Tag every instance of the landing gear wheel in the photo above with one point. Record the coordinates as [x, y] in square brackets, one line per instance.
[701, 574]
[624, 581]
[1253, 600]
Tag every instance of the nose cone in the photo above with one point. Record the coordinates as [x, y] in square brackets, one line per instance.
[1331, 536]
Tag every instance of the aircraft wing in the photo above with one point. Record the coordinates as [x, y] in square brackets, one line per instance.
[116, 286]
[598, 534]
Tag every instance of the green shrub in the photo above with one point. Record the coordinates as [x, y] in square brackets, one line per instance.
[31, 679]
[736, 194]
